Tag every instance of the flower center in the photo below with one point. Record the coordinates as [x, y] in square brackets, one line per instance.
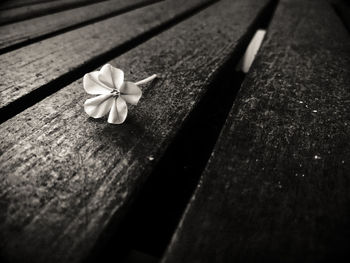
[115, 93]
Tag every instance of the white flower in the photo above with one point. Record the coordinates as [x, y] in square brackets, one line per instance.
[113, 93]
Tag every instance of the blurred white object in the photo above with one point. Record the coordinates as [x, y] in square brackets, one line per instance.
[251, 51]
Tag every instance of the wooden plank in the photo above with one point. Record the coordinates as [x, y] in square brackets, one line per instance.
[35, 28]
[7, 4]
[30, 11]
[63, 175]
[277, 187]
[33, 66]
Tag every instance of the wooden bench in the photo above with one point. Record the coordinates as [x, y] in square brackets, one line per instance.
[19, 10]
[77, 189]
[22, 33]
[277, 186]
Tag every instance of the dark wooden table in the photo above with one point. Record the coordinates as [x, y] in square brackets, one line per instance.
[212, 165]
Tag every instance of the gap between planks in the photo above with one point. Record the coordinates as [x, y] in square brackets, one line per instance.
[141, 121]
[38, 94]
[26, 12]
[24, 33]
[157, 210]
[9, 4]
[278, 177]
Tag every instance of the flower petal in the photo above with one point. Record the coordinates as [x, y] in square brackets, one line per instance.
[130, 92]
[118, 112]
[111, 76]
[98, 106]
[93, 85]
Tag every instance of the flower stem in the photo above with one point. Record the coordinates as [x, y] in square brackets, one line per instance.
[150, 78]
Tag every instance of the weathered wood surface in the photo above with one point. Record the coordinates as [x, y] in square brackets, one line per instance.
[63, 175]
[277, 187]
[33, 66]
[7, 4]
[45, 25]
[39, 9]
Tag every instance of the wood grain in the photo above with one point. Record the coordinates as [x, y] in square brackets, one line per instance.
[277, 187]
[33, 66]
[64, 175]
[7, 4]
[47, 25]
[30, 11]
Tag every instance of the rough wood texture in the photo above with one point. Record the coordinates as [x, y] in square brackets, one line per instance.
[63, 175]
[44, 25]
[7, 4]
[30, 11]
[277, 187]
[30, 67]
